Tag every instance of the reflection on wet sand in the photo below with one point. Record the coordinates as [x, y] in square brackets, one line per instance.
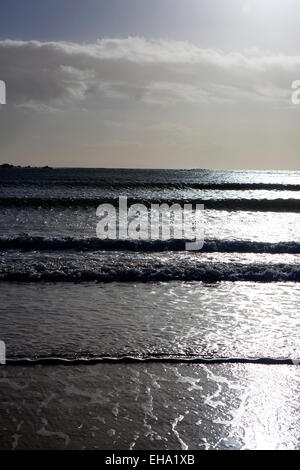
[153, 406]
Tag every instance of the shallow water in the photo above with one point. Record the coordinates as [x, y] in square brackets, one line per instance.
[225, 319]
[66, 294]
[180, 407]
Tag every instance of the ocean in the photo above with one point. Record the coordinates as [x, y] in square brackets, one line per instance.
[140, 344]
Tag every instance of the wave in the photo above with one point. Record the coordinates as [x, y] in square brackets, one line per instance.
[54, 360]
[152, 184]
[271, 205]
[29, 243]
[61, 271]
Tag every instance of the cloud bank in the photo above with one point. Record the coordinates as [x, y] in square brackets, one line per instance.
[155, 72]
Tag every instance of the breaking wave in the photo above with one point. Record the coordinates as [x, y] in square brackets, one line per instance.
[122, 185]
[27, 242]
[148, 272]
[274, 205]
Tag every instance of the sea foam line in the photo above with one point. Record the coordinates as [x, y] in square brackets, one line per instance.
[147, 272]
[26, 361]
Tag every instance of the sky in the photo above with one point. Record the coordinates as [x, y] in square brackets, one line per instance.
[150, 83]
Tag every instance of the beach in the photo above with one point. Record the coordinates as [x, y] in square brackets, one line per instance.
[103, 336]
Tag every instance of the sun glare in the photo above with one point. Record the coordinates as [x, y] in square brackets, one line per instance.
[265, 7]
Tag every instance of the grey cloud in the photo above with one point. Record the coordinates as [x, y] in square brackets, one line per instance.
[52, 74]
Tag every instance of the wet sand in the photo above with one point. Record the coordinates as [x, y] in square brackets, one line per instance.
[150, 406]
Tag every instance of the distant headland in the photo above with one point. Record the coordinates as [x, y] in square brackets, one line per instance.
[9, 165]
